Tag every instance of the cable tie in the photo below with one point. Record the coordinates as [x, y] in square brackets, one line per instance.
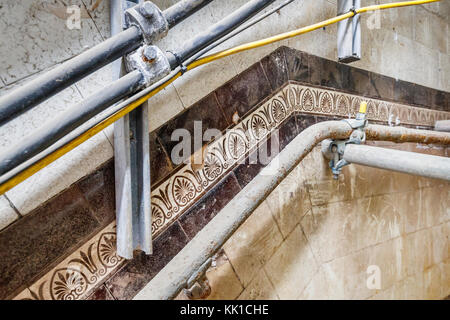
[353, 9]
[179, 62]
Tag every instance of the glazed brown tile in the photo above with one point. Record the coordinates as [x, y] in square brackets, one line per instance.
[129, 280]
[206, 110]
[99, 190]
[275, 68]
[297, 65]
[315, 67]
[204, 210]
[331, 74]
[358, 81]
[404, 91]
[383, 86]
[437, 100]
[101, 293]
[246, 171]
[160, 164]
[422, 96]
[287, 132]
[243, 92]
[31, 245]
[304, 121]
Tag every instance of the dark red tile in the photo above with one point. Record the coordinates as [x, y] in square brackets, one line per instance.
[304, 121]
[315, 68]
[243, 92]
[437, 100]
[30, 246]
[287, 131]
[358, 82]
[404, 92]
[99, 190]
[257, 160]
[206, 113]
[160, 164]
[422, 96]
[297, 64]
[136, 273]
[383, 86]
[101, 293]
[204, 210]
[275, 68]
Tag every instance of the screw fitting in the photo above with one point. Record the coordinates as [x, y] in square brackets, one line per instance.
[147, 10]
[150, 53]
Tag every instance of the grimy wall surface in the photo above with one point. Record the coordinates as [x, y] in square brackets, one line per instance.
[410, 44]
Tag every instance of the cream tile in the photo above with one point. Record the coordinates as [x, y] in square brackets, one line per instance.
[347, 276]
[35, 37]
[99, 11]
[199, 82]
[61, 174]
[7, 213]
[289, 201]
[331, 230]
[259, 289]
[432, 282]
[223, 281]
[163, 107]
[253, 244]
[292, 266]
[318, 288]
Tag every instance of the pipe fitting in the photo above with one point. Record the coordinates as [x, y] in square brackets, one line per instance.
[149, 19]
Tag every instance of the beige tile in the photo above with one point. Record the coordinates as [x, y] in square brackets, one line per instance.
[199, 82]
[163, 106]
[253, 243]
[259, 289]
[380, 218]
[35, 37]
[292, 266]
[60, 174]
[331, 230]
[432, 282]
[289, 201]
[7, 213]
[224, 283]
[440, 242]
[418, 251]
[318, 288]
[347, 277]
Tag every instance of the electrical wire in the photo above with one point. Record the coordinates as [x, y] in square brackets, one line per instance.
[35, 164]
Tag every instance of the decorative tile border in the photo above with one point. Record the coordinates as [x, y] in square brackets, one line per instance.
[76, 276]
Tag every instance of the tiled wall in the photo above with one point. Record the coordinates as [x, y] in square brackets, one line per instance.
[27, 261]
[37, 250]
[36, 39]
[314, 238]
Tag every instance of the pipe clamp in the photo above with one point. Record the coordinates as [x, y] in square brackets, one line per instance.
[149, 19]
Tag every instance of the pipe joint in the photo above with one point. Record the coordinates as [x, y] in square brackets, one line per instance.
[149, 19]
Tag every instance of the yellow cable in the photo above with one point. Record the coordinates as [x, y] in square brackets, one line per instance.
[21, 176]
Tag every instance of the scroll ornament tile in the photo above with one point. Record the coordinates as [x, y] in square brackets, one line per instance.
[82, 271]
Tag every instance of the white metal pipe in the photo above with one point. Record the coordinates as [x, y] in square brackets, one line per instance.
[419, 164]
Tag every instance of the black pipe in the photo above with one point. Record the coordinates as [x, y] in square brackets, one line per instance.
[98, 102]
[68, 121]
[182, 9]
[31, 94]
[219, 29]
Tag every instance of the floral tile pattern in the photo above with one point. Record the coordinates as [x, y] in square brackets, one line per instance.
[86, 268]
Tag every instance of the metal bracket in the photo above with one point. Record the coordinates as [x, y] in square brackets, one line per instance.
[149, 19]
[150, 61]
[349, 32]
[334, 149]
[197, 286]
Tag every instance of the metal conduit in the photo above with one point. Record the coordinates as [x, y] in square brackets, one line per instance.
[38, 90]
[174, 276]
[98, 102]
[401, 161]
